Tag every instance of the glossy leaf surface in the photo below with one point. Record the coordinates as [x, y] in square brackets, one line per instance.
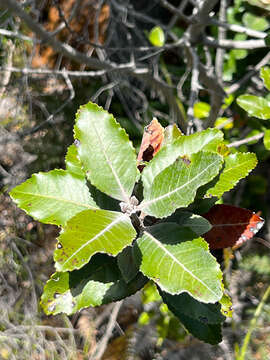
[265, 75]
[156, 36]
[178, 263]
[90, 232]
[53, 197]
[207, 140]
[236, 167]
[266, 139]
[97, 283]
[73, 164]
[255, 106]
[176, 186]
[105, 151]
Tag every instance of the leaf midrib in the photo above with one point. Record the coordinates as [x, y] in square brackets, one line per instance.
[179, 263]
[57, 199]
[103, 231]
[121, 187]
[147, 203]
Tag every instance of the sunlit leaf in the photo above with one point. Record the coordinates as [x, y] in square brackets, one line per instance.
[53, 197]
[73, 164]
[236, 167]
[201, 110]
[105, 151]
[171, 133]
[224, 123]
[156, 36]
[265, 75]
[178, 263]
[226, 305]
[90, 232]
[207, 140]
[97, 283]
[254, 22]
[266, 139]
[176, 186]
[255, 106]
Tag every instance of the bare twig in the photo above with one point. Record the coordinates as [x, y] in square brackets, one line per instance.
[236, 86]
[14, 34]
[238, 28]
[195, 86]
[234, 44]
[246, 140]
[221, 36]
[101, 346]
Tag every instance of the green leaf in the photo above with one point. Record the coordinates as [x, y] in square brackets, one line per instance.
[90, 232]
[225, 123]
[156, 36]
[171, 133]
[254, 22]
[195, 222]
[53, 197]
[265, 75]
[255, 106]
[73, 164]
[236, 167]
[201, 110]
[266, 139]
[105, 151]
[187, 305]
[127, 263]
[176, 186]
[97, 283]
[226, 305]
[207, 140]
[210, 333]
[177, 265]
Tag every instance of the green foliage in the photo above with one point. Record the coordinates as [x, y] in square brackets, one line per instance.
[236, 167]
[175, 266]
[255, 106]
[156, 36]
[104, 255]
[254, 22]
[53, 197]
[265, 75]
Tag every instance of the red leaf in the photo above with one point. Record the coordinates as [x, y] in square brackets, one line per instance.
[231, 226]
[151, 142]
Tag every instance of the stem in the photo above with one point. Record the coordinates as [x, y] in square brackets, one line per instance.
[252, 324]
[246, 140]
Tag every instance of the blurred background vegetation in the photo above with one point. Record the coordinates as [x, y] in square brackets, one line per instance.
[184, 62]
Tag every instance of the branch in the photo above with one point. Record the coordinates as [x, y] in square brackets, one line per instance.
[27, 71]
[14, 34]
[175, 10]
[236, 86]
[14, 7]
[234, 44]
[221, 36]
[112, 322]
[247, 140]
[238, 28]
[195, 86]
